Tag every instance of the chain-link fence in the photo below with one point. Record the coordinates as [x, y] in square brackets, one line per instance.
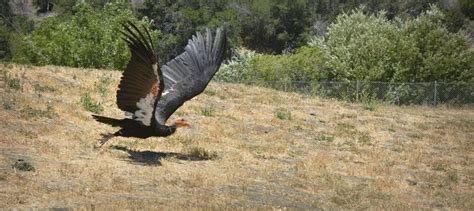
[429, 93]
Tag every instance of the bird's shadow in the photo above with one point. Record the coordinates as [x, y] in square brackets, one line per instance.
[154, 158]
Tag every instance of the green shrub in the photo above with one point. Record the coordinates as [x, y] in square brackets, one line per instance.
[359, 47]
[208, 111]
[326, 138]
[429, 52]
[301, 66]
[23, 165]
[14, 84]
[198, 153]
[8, 103]
[103, 84]
[283, 114]
[370, 104]
[88, 38]
[238, 68]
[272, 70]
[90, 104]
[370, 47]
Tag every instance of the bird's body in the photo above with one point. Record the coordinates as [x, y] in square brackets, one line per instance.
[132, 128]
[152, 93]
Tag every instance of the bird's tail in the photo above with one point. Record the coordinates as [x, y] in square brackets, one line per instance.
[110, 121]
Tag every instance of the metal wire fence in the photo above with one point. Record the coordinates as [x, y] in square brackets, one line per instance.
[426, 93]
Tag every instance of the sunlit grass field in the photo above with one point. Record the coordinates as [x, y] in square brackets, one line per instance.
[247, 147]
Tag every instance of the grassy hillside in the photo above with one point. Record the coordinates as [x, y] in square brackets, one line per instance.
[247, 147]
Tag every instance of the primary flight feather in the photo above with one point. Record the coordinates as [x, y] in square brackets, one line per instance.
[152, 93]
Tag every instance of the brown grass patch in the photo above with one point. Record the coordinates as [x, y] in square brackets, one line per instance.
[248, 147]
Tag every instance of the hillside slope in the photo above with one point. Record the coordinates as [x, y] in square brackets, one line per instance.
[247, 147]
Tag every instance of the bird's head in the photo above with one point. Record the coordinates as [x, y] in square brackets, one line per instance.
[181, 122]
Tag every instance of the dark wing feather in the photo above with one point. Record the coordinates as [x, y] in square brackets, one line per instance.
[141, 74]
[189, 73]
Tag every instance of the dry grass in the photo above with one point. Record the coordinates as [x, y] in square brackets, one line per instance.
[248, 147]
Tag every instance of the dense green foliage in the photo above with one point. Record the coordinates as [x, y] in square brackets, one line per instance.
[67, 6]
[179, 20]
[361, 46]
[381, 41]
[11, 26]
[238, 69]
[273, 26]
[5, 10]
[467, 7]
[440, 55]
[5, 16]
[4, 40]
[301, 66]
[268, 26]
[366, 47]
[250, 67]
[89, 38]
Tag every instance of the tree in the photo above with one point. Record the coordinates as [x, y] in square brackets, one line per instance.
[66, 6]
[89, 38]
[5, 16]
[179, 20]
[43, 6]
[10, 24]
[274, 26]
[360, 47]
[4, 41]
[467, 7]
[5, 10]
[437, 53]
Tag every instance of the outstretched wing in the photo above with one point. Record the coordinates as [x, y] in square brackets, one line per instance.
[189, 73]
[141, 84]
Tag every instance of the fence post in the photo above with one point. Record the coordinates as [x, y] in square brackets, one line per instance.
[357, 91]
[435, 92]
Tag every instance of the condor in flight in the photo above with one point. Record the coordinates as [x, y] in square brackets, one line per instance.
[153, 93]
